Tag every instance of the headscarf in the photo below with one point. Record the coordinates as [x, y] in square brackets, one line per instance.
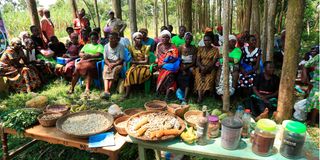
[136, 34]
[232, 37]
[208, 29]
[165, 32]
[107, 29]
[145, 30]
[187, 34]
[219, 28]
[15, 41]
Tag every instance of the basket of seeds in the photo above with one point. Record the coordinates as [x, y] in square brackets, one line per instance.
[49, 119]
[85, 123]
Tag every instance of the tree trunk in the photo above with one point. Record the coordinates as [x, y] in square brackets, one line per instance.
[293, 26]
[230, 14]
[116, 6]
[264, 30]
[133, 17]
[240, 15]
[225, 51]
[97, 13]
[219, 12]
[166, 12]
[270, 28]
[247, 16]
[187, 14]
[74, 8]
[32, 8]
[255, 21]
[281, 17]
[213, 15]
[155, 17]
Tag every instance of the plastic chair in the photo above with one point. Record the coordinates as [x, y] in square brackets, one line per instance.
[97, 82]
[261, 66]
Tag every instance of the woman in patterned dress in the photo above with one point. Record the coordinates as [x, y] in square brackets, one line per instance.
[21, 77]
[207, 56]
[249, 66]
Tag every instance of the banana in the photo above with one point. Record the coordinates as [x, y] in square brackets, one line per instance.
[189, 136]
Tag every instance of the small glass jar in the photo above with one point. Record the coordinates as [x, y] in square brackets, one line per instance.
[293, 140]
[213, 127]
[264, 135]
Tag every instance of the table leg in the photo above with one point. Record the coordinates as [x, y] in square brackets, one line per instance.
[157, 154]
[113, 155]
[4, 140]
[142, 152]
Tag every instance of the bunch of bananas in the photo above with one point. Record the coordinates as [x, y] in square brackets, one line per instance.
[189, 136]
[78, 108]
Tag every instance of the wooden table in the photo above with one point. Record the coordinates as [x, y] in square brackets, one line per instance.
[54, 136]
[215, 151]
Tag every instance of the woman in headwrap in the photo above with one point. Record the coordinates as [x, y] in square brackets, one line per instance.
[21, 78]
[188, 55]
[168, 64]
[234, 59]
[139, 72]
[207, 56]
[106, 32]
[86, 67]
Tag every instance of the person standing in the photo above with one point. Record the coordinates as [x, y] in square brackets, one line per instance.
[47, 27]
[116, 24]
[82, 22]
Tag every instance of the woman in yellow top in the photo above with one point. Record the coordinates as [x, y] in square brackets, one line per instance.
[139, 72]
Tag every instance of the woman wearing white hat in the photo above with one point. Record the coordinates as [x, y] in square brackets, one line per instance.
[234, 59]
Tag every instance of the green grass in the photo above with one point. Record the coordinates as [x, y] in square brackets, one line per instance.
[56, 91]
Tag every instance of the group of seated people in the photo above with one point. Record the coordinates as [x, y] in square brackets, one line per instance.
[182, 67]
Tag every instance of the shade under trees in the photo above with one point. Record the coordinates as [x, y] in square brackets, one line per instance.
[294, 27]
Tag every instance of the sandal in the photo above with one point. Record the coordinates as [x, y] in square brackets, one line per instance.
[105, 96]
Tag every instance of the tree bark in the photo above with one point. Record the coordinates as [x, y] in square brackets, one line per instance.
[225, 51]
[116, 6]
[187, 14]
[97, 13]
[213, 10]
[240, 15]
[166, 12]
[264, 30]
[270, 28]
[32, 8]
[293, 26]
[255, 21]
[155, 17]
[247, 16]
[280, 17]
[74, 8]
[231, 14]
[133, 16]
[219, 12]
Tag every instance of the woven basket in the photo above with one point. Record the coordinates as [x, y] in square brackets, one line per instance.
[178, 109]
[64, 109]
[155, 105]
[132, 111]
[190, 113]
[163, 138]
[51, 122]
[61, 120]
[121, 130]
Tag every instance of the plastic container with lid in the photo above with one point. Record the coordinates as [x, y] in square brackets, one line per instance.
[213, 126]
[264, 136]
[231, 133]
[293, 139]
[202, 130]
